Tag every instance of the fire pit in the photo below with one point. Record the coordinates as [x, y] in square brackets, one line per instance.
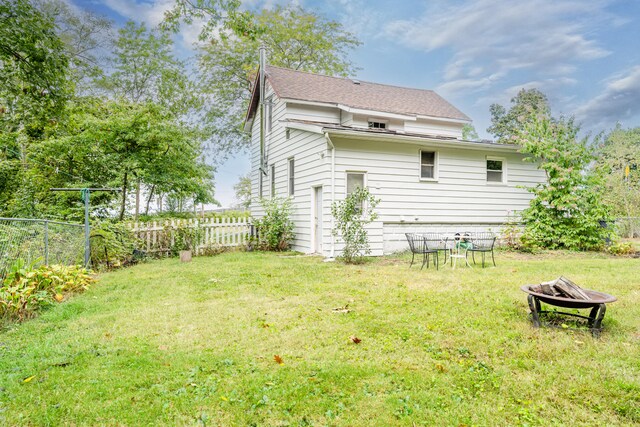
[596, 302]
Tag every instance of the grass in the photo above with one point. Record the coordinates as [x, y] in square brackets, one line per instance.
[165, 343]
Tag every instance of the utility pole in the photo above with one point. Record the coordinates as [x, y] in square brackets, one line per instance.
[86, 194]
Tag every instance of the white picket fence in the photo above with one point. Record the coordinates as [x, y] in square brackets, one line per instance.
[158, 237]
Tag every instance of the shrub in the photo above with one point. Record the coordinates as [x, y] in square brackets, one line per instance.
[351, 216]
[185, 237]
[275, 228]
[621, 248]
[27, 289]
[566, 211]
[112, 245]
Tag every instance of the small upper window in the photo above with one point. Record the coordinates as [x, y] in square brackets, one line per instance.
[377, 125]
[427, 164]
[495, 171]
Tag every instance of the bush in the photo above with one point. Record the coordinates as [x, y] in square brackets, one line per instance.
[275, 228]
[27, 289]
[185, 237]
[112, 245]
[351, 215]
[621, 248]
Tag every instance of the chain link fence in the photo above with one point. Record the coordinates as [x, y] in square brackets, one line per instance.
[37, 241]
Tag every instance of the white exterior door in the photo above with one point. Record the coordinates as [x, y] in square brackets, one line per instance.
[317, 220]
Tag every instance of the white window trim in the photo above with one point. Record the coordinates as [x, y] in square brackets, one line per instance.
[291, 189]
[436, 168]
[504, 170]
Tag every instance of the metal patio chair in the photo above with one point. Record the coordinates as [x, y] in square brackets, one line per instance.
[418, 245]
[439, 243]
[483, 243]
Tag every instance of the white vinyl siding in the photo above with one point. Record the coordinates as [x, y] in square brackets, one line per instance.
[461, 195]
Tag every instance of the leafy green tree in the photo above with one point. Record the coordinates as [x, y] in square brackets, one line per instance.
[469, 133]
[144, 69]
[351, 217]
[87, 37]
[526, 106]
[294, 38]
[566, 209]
[34, 89]
[115, 144]
[33, 71]
[243, 191]
[619, 163]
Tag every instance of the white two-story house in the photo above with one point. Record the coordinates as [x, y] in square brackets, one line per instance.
[323, 136]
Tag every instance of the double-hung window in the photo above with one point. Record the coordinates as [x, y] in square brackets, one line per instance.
[428, 165]
[355, 180]
[496, 172]
[273, 180]
[268, 106]
[291, 177]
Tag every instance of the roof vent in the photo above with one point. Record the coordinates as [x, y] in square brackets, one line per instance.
[356, 82]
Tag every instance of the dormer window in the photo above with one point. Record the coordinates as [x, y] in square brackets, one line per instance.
[377, 124]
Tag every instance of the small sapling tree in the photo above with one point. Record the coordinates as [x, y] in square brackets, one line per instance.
[351, 216]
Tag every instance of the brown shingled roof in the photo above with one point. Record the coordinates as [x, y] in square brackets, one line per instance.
[304, 86]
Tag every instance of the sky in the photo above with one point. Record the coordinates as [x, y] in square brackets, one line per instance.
[583, 54]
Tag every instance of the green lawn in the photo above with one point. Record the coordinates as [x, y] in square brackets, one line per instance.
[165, 343]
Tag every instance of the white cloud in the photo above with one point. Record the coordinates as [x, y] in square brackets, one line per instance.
[150, 12]
[617, 102]
[490, 38]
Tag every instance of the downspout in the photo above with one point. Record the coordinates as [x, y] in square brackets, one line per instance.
[263, 129]
[333, 191]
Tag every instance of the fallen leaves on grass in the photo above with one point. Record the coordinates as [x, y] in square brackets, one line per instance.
[441, 368]
[26, 380]
[355, 339]
[344, 309]
[278, 359]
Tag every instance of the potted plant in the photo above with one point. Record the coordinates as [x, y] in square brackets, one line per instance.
[185, 240]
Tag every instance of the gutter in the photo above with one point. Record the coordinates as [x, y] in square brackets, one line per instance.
[333, 191]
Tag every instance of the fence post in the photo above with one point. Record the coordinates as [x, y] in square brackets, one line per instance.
[87, 234]
[46, 242]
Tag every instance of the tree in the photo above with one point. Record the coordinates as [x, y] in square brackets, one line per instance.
[526, 105]
[116, 144]
[566, 209]
[469, 133]
[86, 37]
[33, 70]
[294, 38]
[619, 164]
[243, 191]
[145, 70]
[351, 216]
[33, 91]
